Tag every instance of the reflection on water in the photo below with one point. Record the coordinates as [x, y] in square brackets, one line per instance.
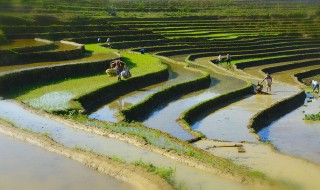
[191, 177]
[295, 136]
[24, 166]
[177, 74]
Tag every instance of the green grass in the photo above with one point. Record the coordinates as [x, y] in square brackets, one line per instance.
[312, 117]
[3, 39]
[256, 59]
[165, 173]
[97, 48]
[55, 96]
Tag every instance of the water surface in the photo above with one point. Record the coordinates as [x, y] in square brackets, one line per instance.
[24, 166]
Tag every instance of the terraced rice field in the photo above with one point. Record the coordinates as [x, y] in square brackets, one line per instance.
[183, 120]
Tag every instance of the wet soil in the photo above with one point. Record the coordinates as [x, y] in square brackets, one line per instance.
[71, 137]
[24, 166]
[261, 157]
[177, 74]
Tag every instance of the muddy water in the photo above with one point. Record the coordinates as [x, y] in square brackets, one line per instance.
[24, 166]
[177, 74]
[258, 156]
[22, 43]
[87, 58]
[219, 84]
[230, 123]
[190, 177]
[295, 136]
[256, 71]
[287, 76]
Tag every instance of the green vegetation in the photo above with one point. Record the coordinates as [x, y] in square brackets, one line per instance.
[2, 38]
[312, 117]
[97, 48]
[161, 171]
[56, 95]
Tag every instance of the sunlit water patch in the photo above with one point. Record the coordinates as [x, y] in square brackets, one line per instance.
[24, 166]
[193, 178]
[295, 136]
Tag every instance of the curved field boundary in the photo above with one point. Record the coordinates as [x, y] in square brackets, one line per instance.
[9, 57]
[247, 64]
[265, 117]
[146, 106]
[307, 74]
[77, 34]
[246, 50]
[126, 172]
[108, 93]
[192, 114]
[14, 80]
[30, 49]
[280, 68]
[119, 38]
[226, 46]
[49, 45]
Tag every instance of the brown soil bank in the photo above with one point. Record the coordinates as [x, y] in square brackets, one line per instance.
[136, 176]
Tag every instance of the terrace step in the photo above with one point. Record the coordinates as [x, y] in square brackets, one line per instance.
[71, 136]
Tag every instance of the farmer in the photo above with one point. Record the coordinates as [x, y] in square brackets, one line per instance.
[268, 80]
[142, 51]
[315, 85]
[259, 88]
[219, 58]
[126, 73]
[228, 59]
[118, 65]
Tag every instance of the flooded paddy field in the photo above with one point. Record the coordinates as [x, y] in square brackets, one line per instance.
[177, 74]
[21, 43]
[171, 111]
[295, 136]
[230, 123]
[287, 76]
[189, 176]
[87, 58]
[25, 166]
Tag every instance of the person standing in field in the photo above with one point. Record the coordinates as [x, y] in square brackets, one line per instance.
[268, 80]
[315, 85]
[219, 58]
[228, 59]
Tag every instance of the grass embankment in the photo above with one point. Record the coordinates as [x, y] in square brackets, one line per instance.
[169, 145]
[3, 39]
[56, 94]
